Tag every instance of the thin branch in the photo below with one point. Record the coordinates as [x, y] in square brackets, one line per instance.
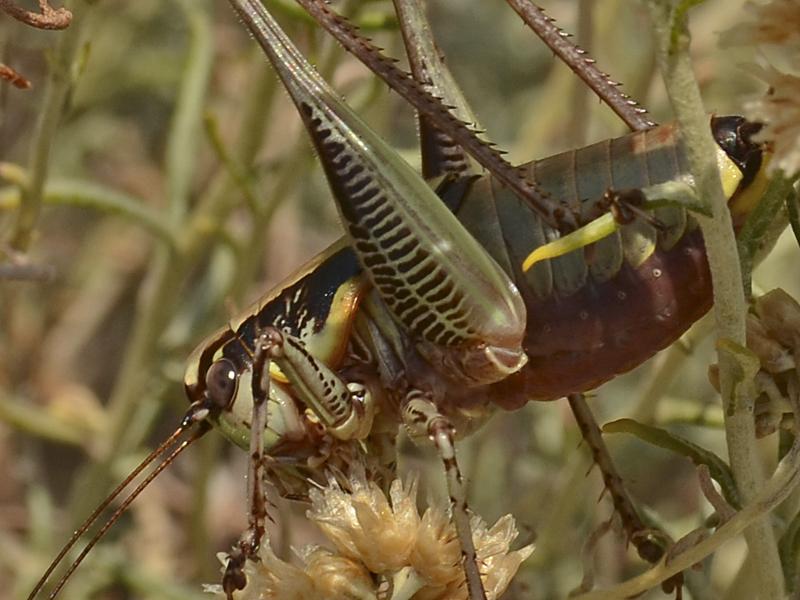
[49, 17]
[670, 24]
[14, 77]
[56, 91]
[78, 192]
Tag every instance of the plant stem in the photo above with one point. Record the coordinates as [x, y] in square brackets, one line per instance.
[77, 192]
[59, 82]
[184, 130]
[729, 299]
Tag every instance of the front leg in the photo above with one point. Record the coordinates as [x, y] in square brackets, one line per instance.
[345, 409]
[423, 419]
[234, 578]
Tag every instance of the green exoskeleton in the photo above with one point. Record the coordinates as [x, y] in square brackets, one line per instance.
[429, 313]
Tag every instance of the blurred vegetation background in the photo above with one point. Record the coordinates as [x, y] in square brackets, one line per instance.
[177, 187]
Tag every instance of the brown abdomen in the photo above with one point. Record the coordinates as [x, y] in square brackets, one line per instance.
[601, 310]
[578, 342]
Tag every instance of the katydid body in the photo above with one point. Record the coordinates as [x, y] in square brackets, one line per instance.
[583, 309]
[441, 324]
[422, 315]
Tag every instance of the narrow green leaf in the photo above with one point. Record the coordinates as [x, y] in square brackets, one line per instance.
[662, 438]
[36, 422]
[753, 232]
[78, 192]
[792, 204]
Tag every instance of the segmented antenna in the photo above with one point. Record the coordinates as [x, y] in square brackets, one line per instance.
[583, 65]
[556, 215]
[192, 417]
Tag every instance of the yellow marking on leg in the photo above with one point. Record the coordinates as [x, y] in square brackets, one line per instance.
[603, 226]
[590, 233]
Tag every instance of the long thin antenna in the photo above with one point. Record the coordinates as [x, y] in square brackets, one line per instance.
[192, 416]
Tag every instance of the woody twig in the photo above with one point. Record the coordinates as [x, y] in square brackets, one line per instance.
[47, 18]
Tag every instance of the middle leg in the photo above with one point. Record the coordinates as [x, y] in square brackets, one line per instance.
[423, 419]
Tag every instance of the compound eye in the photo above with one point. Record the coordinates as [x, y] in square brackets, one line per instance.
[221, 382]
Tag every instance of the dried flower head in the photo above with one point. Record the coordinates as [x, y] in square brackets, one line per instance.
[436, 556]
[437, 553]
[780, 315]
[390, 536]
[774, 356]
[779, 110]
[773, 335]
[364, 525]
[338, 576]
[271, 578]
[774, 33]
[498, 564]
[379, 539]
[325, 576]
[772, 23]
